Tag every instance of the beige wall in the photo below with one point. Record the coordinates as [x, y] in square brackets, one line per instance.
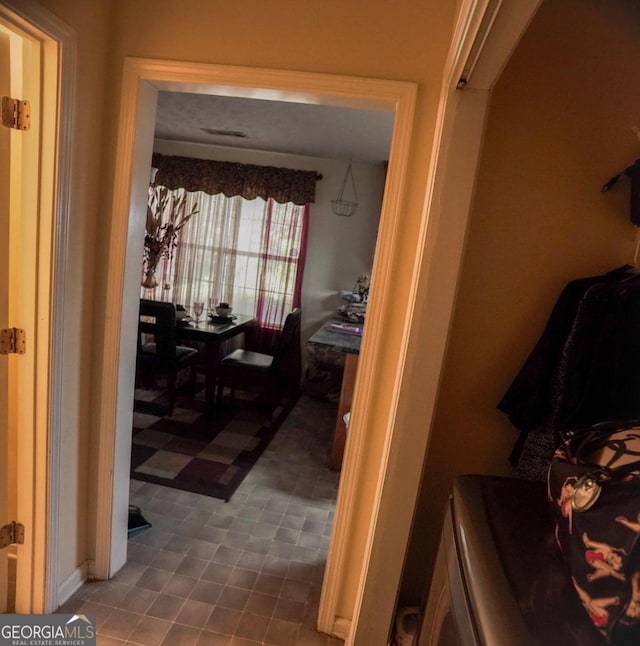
[405, 41]
[559, 126]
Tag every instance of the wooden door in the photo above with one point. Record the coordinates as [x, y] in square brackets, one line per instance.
[20, 226]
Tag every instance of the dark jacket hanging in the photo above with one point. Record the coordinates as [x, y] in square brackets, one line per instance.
[582, 371]
[633, 172]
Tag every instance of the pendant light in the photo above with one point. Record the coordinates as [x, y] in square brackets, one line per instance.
[342, 205]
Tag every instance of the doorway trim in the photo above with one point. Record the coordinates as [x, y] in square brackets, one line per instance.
[142, 79]
[455, 155]
[38, 589]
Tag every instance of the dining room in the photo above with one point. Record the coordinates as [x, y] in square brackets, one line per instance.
[283, 217]
[341, 151]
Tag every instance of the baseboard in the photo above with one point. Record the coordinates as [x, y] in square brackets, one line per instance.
[73, 583]
[341, 628]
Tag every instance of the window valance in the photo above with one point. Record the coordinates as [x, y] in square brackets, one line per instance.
[231, 178]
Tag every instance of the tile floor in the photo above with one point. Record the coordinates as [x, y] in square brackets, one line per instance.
[241, 573]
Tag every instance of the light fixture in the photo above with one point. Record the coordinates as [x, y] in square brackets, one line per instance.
[341, 205]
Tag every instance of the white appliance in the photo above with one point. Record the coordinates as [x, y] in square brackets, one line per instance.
[499, 579]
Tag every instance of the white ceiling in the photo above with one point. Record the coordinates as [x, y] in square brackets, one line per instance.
[276, 126]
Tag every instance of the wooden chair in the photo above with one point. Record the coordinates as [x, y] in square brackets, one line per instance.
[274, 373]
[162, 356]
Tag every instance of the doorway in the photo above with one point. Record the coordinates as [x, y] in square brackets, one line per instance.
[323, 167]
[144, 79]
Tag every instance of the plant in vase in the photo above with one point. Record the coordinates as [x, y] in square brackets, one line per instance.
[166, 215]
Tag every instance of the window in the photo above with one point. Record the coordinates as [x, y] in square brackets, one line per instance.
[249, 253]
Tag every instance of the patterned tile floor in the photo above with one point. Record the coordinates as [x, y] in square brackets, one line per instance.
[241, 573]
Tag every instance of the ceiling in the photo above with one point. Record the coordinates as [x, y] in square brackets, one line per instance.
[276, 126]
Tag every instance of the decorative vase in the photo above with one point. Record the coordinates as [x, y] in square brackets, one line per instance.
[150, 280]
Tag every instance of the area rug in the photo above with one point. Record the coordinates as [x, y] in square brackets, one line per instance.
[192, 451]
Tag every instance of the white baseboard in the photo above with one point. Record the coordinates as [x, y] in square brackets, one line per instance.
[73, 583]
[341, 628]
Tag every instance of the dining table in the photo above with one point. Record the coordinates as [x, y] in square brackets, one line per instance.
[212, 331]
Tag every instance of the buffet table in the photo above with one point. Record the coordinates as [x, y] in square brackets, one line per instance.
[336, 346]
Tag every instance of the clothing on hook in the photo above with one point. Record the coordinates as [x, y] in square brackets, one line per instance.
[582, 370]
[633, 172]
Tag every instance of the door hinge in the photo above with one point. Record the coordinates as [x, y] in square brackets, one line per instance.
[12, 341]
[15, 113]
[11, 534]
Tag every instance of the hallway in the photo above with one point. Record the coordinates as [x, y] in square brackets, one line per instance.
[241, 573]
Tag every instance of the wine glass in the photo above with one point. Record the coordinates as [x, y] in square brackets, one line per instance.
[198, 308]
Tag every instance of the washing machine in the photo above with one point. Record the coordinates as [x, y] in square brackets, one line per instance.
[499, 578]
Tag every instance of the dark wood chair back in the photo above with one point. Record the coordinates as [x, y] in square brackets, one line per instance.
[278, 372]
[162, 356]
[288, 345]
[158, 319]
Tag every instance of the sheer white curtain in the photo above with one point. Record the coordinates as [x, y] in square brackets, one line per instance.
[200, 262]
[249, 253]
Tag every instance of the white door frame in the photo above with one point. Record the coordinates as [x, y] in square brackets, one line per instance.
[448, 198]
[6, 511]
[141, 81]
[38, 454]
[435, 271]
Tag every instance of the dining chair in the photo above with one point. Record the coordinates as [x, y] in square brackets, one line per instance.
[272, 372]
[158, 353]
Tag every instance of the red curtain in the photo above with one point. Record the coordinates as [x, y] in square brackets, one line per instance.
[284, 247]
